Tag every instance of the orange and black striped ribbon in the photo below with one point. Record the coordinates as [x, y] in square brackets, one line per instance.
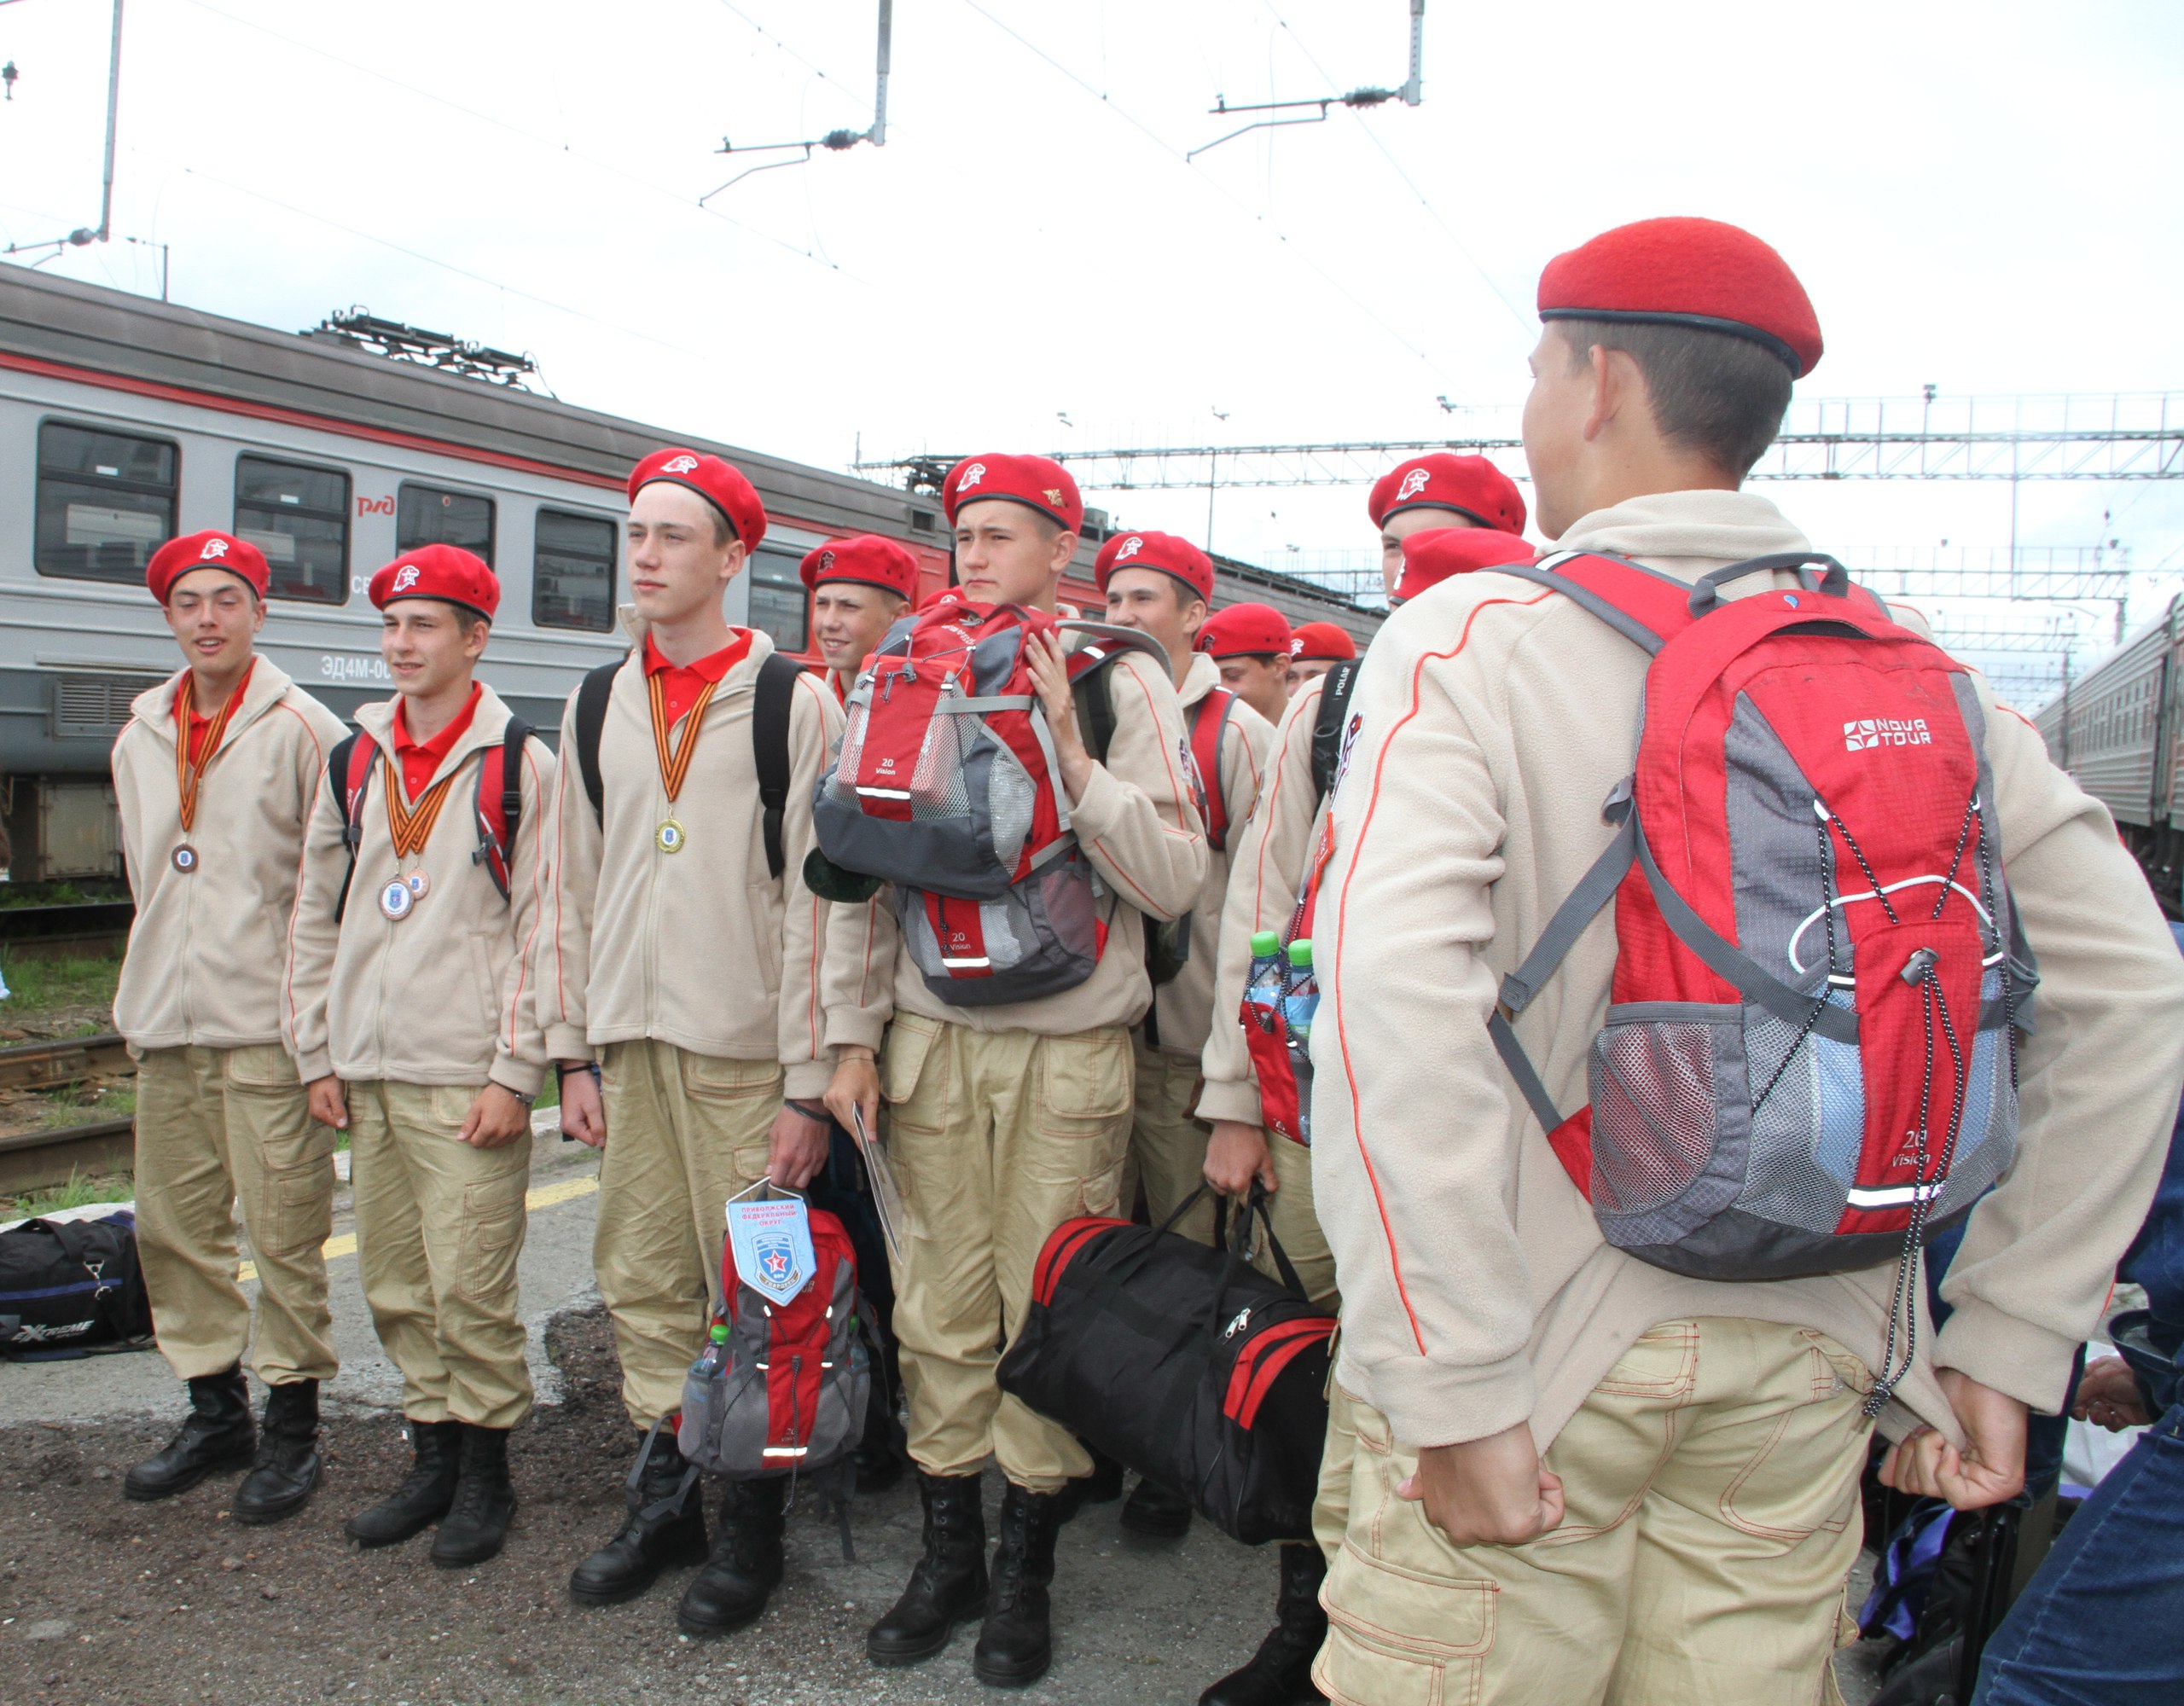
[674, 765]
[188, 775]
[410, 826]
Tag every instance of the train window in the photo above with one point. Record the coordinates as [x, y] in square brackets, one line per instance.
[778, 601]
[300, 518]
[105, 501]
[572, 572]
[426, 515]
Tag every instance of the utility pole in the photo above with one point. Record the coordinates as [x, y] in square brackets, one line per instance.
[84, 236]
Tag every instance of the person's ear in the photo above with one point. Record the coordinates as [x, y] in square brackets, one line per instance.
[1065, 549]
[731, 564]
[1607, 382]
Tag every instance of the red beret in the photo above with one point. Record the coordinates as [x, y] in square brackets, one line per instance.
[446, 572]
[1431, 557]
[211, 549]
[1322, 639]
[1042, 484]
[1161, 551]
[867, 559]
[1686, 272]
[1245, 630]
[1470, 485]
[712, 479]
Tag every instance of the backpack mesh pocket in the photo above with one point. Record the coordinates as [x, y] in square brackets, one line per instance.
[1657, 1088]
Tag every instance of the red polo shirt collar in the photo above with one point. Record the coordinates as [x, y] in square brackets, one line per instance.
[681, 684]
[419, 760]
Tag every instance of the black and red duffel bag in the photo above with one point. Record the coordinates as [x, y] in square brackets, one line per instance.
[1184, 1363]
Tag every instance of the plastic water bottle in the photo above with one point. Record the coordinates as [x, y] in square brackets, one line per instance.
[1301, 999]
[714, 1357]
[1264, 987]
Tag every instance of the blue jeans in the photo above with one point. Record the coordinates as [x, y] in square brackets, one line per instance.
[2101, 1623]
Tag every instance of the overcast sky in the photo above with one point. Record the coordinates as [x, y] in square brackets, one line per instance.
[1980, 197]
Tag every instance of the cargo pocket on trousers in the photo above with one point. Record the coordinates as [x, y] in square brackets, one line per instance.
[716, 1078]
[903, 1061]
[492, 1237]
[1395, 1636]
[262, 1066]
[298, 1209]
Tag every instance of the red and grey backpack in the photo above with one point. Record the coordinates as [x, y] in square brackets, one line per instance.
[945, 785]
[785, 1391]
[1808, 1064]
[496, 803]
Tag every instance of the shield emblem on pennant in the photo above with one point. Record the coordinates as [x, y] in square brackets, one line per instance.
[777, 1262]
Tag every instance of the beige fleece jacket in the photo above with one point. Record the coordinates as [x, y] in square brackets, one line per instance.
[443, 996]
[703, 949]
[1138, 826]
[1266, 871]
[1476, 1290]
[208, 947]
[1183, 1008]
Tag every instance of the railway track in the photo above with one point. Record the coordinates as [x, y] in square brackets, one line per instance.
[36, 1160]
[77, 921]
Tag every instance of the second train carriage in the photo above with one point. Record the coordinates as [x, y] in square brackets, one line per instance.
[125, 422]
[2119, 731]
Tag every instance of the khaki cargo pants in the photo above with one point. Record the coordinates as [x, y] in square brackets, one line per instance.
[685, 1132]
[996, 1138]
[1711, 1490]
[439, 1227]
[1167, 1146]
[1297, 1223]
[214, 1125]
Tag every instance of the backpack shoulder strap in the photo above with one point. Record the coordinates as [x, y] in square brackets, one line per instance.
[497, 807]
[1209, 721]
[769, 717]
[348, 773]
[1088, 677]
[592, 694]
[1335, 689]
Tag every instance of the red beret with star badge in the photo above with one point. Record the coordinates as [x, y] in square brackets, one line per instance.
[1162, 551]
[1038, 482]
[1470, 485]
[1432, 556]
[1323, 639]
[712, 479]
[1238, 630]
[1686, 272]
[211, 549]
[868, 559]
[446, 572]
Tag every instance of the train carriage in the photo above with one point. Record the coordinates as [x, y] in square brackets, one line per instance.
[125, 422]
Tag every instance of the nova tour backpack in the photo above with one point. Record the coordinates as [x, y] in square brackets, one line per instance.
[496, 803]
[945, 784]
[1808, 1064]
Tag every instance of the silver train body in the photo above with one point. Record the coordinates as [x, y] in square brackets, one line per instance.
[125, 422]
[2119, 731]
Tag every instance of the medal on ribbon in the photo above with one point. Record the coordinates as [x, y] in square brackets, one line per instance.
[675, 759]
[409, 828]
[769, 1240]
[189, 774]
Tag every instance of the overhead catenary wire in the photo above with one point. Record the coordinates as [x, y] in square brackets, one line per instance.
[514, 130]
[777, 42]
[1409, 184]
[1182, 160]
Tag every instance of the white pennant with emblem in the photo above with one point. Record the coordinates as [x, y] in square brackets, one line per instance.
[769, 1239]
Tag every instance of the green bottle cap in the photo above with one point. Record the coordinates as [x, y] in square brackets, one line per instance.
[720, 1332]
[1300, 954]
[1265, 943]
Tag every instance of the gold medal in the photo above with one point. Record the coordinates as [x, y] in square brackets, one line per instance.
[671, 837]
[396, 900]
[184, 858]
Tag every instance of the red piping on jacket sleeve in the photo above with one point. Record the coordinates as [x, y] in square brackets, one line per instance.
[1342, 941]
[538, 890]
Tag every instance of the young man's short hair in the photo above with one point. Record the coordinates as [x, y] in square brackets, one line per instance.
[1719, 395]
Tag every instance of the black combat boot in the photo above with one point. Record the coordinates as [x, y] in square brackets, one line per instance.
[216, 1435]
[279, 1484]
[747, 1564]
[421, 1499]
[1103, 1486]
[664, 1529]
[1155, 1513]
[476, 1525]
[948, 1584]
[1281, 1672]
[1016, 1644]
